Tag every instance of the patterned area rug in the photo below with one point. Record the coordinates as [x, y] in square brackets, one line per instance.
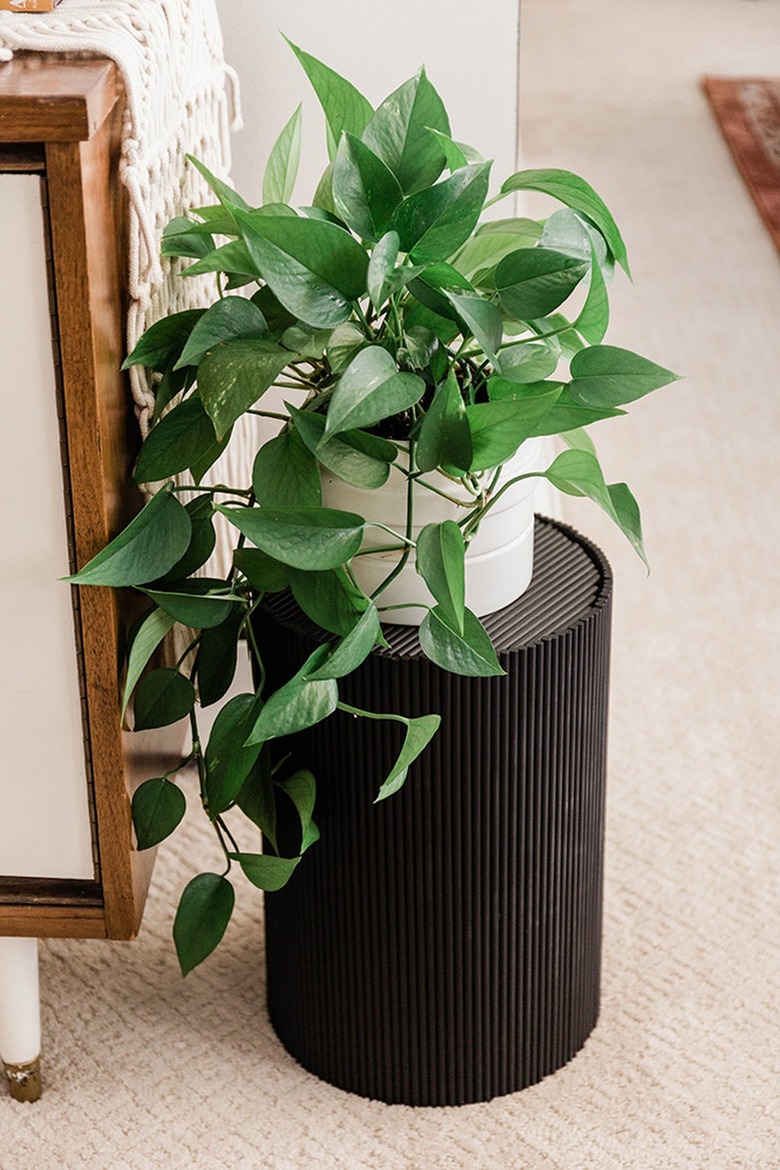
[748, 111]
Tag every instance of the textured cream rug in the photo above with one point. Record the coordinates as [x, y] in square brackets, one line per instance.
[146, 1071]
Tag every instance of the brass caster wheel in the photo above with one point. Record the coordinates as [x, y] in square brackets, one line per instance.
[24, 1080]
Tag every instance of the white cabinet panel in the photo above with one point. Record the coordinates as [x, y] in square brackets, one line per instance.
[44, 810]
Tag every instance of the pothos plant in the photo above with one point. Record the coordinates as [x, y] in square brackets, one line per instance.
[410, 332]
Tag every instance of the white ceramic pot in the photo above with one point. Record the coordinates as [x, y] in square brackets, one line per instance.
[499, 559]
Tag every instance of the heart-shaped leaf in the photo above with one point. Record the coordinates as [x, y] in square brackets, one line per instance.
[348, 654]
[399, 133]
[201, 920]
[315, 268]
[285, 472]
[329, 598]
[200, 602]
[531, 282]
[370, 389]
[228, 758]
[158, 807]
[143, 551]
[344, 107]
[576, 193]
[282, 167]
[235, 374]
[419, 732]
[218, 657]
[266, 871]
[301, 788]
[176, 443]
[228, 319]
[365, 191]
[306, 538]
[445, 435]
[354, 456]
[498, 428]
[470, 653]
[148, 635]
[433, 223]
[605, 376]
[578, 473]
[440, 561]
[295, 706]
[163, 696]
[162, 343]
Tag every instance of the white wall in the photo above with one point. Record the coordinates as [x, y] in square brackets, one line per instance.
[469, 51]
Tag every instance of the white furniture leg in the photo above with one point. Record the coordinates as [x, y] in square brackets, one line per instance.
[20, 1017]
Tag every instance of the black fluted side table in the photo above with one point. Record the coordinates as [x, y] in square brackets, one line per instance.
[443, 947]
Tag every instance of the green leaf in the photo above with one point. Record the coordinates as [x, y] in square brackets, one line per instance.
[228, 757]
[531, 282]
[482, 319]
[470, 654]
[343, 343]
[185, 237]
[158, 807]
[227, 320]
[329, 598]
[149, 633]
[257, 799]
[282, 167]
[295, 706]
[494, 240]
[419, 732]
[380, 268]
[354, 456]
[316, 269]
[454, 153]
[146, 549]
[578, 473]
[445, 435]
[199, 602]
[593, 319]
[370, 389]
[563, 415]
[365, 191]
[605, 376]
[430, 289]
[201, 920]
[433, 223]
[163, 696]
[348, 654]
[217, 658]
[440, 561]
[530, 361]
[202, 540]
[498, 428]
[229, 198]
[160, 345]
[263, 572]
[344, 107]
[234, 375]
[286, 473]
[266, 871]
[182, 437]
[576, 193]
[399, 132]
[232, 258]
[306, 538]
[301, 788]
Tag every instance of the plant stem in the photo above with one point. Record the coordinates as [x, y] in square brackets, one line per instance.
[409, 529]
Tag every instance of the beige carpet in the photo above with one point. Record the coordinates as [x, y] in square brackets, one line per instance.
[146, 1071]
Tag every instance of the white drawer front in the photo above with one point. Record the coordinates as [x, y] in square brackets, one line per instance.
[44, 811]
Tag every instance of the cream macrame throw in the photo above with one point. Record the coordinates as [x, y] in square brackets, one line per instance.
[170, 56]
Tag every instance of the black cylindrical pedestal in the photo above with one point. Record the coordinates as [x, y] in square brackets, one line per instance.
[443, 946]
